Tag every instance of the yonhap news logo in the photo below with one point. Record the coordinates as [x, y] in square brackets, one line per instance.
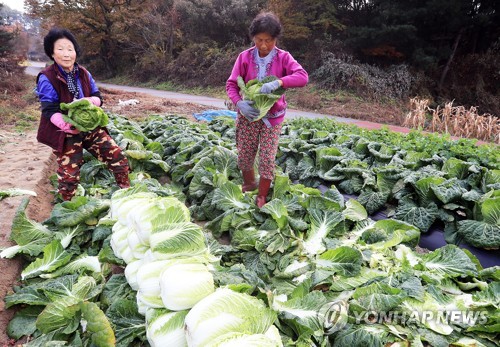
[406, 318]
[335, 316]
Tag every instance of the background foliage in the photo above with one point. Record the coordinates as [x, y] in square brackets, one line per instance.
[379, 49]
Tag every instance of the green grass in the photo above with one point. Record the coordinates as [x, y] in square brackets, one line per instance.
[21, 121]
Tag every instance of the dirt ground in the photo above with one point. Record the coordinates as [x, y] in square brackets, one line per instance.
[28, 165]
[25, 164]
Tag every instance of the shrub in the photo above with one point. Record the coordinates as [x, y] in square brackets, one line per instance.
[9, 79]
[202, 65]
[151, 65]
[369, 81]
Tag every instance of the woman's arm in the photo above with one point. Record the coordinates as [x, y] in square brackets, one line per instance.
[95, 94]
[48, 97]
[240, 68]
[294, 74]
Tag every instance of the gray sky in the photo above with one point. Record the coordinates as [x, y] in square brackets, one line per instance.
[14, 4]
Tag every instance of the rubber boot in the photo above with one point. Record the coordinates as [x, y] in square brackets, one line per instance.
[264, 185]
[249, 183]
[122, 179]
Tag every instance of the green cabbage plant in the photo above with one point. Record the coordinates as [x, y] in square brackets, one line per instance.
[84, 115]
[262, 102]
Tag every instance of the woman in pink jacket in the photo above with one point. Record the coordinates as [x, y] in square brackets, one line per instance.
[261, 60]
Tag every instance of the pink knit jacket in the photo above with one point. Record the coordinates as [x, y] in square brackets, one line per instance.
[283, 66]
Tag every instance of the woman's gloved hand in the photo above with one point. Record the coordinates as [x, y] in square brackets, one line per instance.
[270, 87]
[95, 100]
[247, 110]
[58, 121]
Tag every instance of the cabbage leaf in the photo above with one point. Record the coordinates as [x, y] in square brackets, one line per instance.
[166, 328]
[84, 115]
[5, 193]
[54, 256]
[226, 311]
[30, 236]
[262, 102]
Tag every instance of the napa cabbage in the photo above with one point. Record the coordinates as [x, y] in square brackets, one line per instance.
[262, 102]
[148, 279]
[322, 223]
[183, 285]
[175, 284]
[119, 242]
[484, 230]
[30, 236]
[122, 204]
[241, 339]
[165, 328]
[132, 268]
[226, 311]
[137, 247]
[157, 215]
[131, 273]
[84, 115]
[178, 240]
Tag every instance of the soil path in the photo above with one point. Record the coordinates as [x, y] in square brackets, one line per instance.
[28, 165]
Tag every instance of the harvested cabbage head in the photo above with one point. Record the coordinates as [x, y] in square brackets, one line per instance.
[183, 285]
[165, 328]
[226, 311]
[262, 102]
[84, 115]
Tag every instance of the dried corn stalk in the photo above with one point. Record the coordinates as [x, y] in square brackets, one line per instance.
[417, 115]
[453, 120]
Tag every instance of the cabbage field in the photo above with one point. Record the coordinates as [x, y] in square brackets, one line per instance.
[184, 258]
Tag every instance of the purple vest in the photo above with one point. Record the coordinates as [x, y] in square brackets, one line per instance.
[48, 133]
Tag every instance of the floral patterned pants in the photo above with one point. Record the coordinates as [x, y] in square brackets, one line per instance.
[101, 146]
[253, 136]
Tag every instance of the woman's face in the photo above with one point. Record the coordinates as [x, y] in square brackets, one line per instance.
[64, 54]
[264, 43]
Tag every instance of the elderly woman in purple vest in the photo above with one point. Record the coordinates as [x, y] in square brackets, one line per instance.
[63, 82]
[261, 60]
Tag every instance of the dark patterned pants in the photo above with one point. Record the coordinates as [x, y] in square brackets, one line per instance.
[98, 143]
[253, 136]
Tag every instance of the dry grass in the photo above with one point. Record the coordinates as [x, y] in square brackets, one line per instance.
[17, 102]
[308, 98]
[453, 120]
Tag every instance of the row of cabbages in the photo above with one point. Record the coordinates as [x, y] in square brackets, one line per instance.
[170, 267]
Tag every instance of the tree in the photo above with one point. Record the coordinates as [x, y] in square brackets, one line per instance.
[101, 26]
[6, 35]
[154, 38]
[421, 32]
[443, 39]
[221, 21]
[13, 48]
[306, 23]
